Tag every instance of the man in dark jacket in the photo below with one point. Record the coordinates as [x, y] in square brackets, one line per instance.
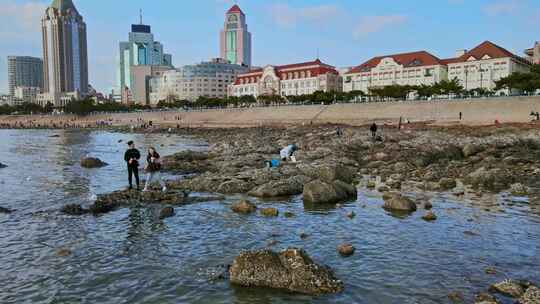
[132, 157]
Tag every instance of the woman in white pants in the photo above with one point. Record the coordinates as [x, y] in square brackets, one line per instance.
[152, 168]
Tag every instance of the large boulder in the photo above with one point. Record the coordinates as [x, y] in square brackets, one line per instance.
[329, 173]
[92, 162]
[187, 162]
[291, 270]
[243, 206]
[518, 189]
[287, 187]
[495, 179]
[398, 202]
[319, 192]
[2, 166]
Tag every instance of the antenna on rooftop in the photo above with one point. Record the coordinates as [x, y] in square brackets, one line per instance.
[318, 53]
[140, 15]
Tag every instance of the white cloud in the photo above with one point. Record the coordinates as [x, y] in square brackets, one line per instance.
[373, 24]
[285, 15]
[502, 7]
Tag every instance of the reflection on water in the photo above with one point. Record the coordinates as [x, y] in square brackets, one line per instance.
[131, 256]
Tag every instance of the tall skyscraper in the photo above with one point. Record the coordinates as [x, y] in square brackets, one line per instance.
[64, 52]
[25, 72]
[235, 39]
[140, 49]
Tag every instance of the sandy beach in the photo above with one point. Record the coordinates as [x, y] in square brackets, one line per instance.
[475, 112]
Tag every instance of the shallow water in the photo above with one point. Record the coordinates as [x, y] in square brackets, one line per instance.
[130, 256]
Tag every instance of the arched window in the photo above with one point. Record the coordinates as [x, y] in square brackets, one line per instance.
[308, 74]
[295, 75]
[302, 74]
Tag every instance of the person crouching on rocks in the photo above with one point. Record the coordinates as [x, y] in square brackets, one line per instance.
[132, 157]
[153, 167]
[287, 153]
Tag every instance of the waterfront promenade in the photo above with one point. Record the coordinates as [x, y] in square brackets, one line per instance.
[475, 112]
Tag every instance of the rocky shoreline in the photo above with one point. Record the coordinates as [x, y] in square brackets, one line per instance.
[461, 161]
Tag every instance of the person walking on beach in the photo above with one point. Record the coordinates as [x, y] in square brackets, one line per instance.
[153, 167]
[460, 116]
[373, 130]
[132, 157]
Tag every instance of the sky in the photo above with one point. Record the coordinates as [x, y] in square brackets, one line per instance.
[343, 32]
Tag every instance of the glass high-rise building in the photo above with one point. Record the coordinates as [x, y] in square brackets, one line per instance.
[140, 49]
[24, 71]
[235, 39]
[64, 50]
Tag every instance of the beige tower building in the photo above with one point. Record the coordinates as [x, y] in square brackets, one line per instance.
[65, 61]
[235, 39]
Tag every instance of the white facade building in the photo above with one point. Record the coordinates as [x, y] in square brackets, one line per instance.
[480, 67]
[417, 68]
[208, 79]
[474, 69]
[288, 80]
[27, 94]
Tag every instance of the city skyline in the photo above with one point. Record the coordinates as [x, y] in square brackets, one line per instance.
[344, 33]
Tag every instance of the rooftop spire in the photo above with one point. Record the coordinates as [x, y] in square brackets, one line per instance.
[63, 5]
[140, 16]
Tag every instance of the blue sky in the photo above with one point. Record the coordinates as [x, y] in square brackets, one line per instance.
[346, 32]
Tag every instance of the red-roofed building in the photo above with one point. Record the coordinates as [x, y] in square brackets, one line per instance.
[288, 80]
[478, 68]
[414, 68]
[483, 65]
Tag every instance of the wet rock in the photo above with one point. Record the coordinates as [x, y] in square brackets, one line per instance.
[234, 186]
[398, 202]
[508, 288]
[288, 214]
[244, 207]
[471, 150]
[429, 216]
[166, 212]
[431, 186]
[304, 235]
[2, 166]
[401, 167]
[188, 162]
[63, 252]
[428, 206]
[291, 270]
[371, 184]
[456, 297]
[446, 184]
[519, 189]
[319, 192]
[531, 296]
[281, 188]
[270, 212]
[346, 249]
[5, 210]
[92, 162]
[73, 209]
[490, 179]
[329, 173]
[383, 188]
[351, 215]
[485, 298]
